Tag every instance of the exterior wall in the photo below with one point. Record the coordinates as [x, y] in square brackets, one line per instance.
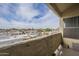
[71, 29]
[71, 33]
[70, 42]
[41, 47]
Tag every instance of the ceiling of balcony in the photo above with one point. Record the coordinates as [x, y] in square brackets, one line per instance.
[66, 9]
[63, 6]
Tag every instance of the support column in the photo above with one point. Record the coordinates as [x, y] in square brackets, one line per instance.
[61, 25]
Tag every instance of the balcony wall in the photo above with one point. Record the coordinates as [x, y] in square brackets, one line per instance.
[40, 47]
[71, 33]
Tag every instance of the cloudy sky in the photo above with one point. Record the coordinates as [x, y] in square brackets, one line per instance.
[27, 16]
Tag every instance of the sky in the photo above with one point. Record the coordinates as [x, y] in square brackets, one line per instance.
[27, 15]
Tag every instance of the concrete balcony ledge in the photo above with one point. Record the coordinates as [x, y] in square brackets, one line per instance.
[70, 41]
[10, 42]
[44, 45]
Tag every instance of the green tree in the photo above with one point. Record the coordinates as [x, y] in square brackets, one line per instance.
[48, 29]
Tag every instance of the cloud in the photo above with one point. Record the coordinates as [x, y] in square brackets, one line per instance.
[46, 18]
[17, 24]
[26, 16]
[8, 10]
[26, 11]
[4, 23]
[12, 24]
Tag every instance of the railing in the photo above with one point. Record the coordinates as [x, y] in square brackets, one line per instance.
[38, 46]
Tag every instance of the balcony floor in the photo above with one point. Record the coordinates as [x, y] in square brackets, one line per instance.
[70, 52]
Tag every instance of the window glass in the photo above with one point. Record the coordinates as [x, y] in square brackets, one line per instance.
[71, 28]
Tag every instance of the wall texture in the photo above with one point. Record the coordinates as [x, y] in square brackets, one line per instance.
[41, 47]
[71, 33]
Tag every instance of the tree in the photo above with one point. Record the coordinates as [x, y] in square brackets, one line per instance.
[48, 29]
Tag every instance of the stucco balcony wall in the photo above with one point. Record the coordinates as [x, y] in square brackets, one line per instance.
[39, 47]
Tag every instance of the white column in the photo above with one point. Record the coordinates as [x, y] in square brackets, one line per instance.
[61, 25]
